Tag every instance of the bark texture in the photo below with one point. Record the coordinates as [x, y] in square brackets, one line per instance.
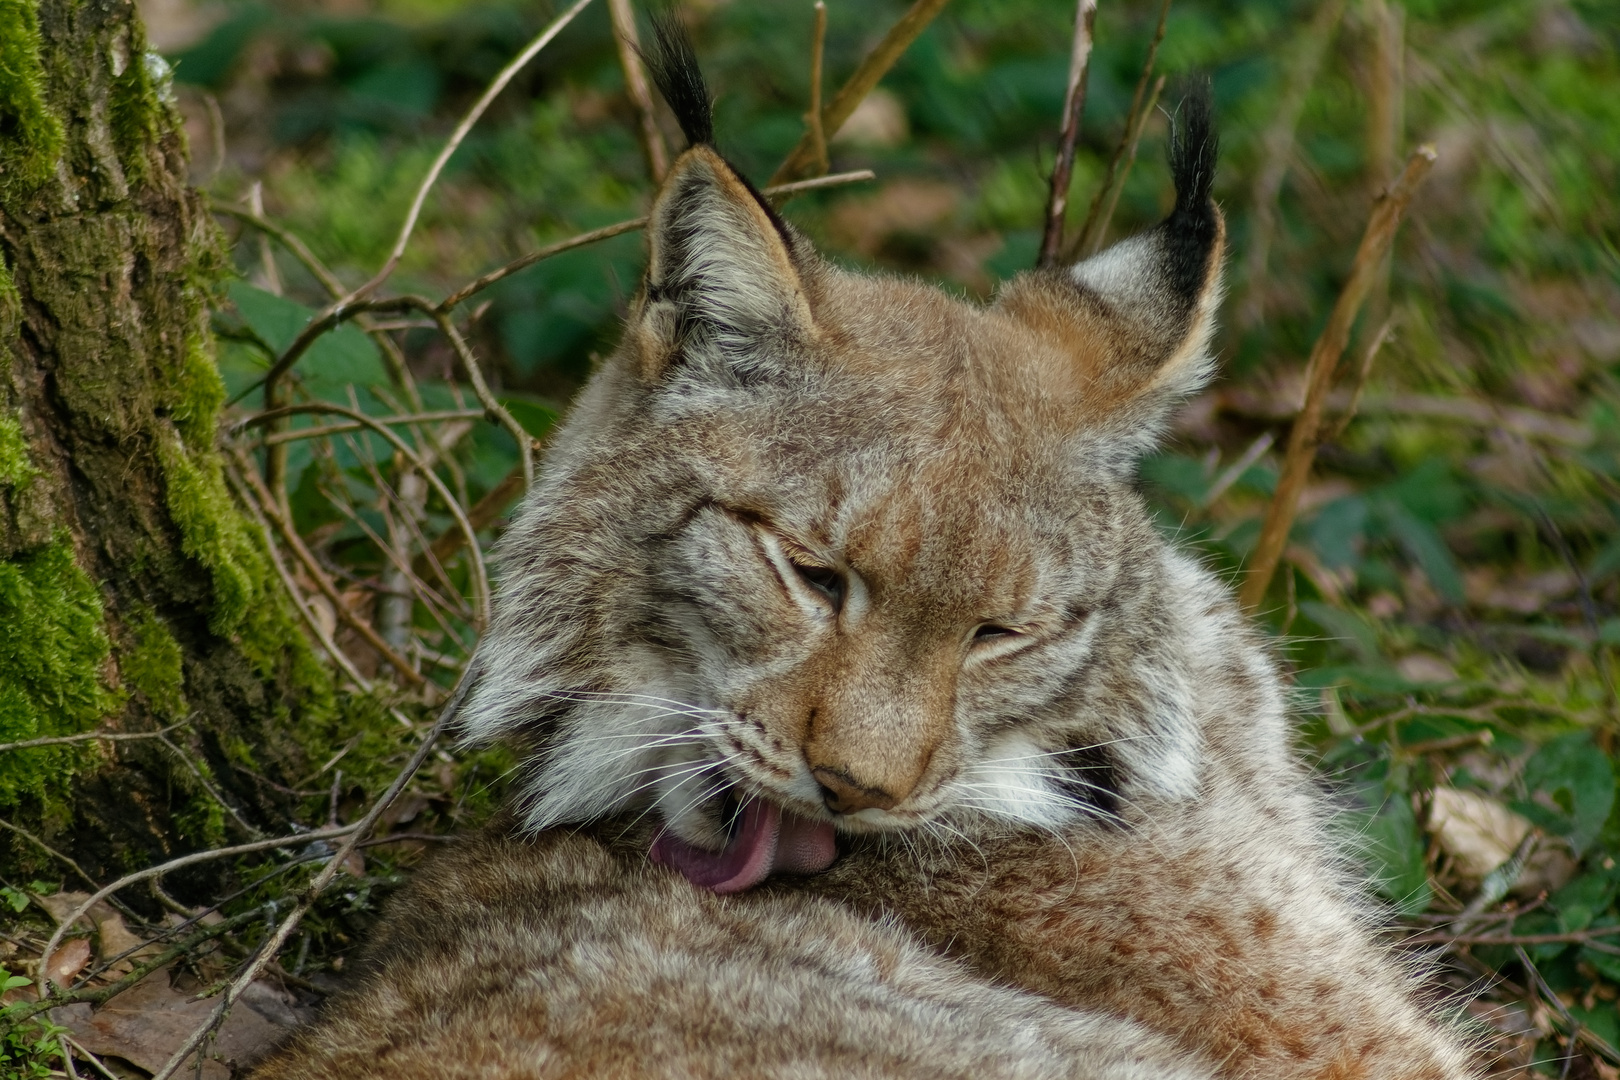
[133, 594]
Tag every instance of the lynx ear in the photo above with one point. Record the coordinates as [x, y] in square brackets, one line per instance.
[1135, 320]
[724, 292]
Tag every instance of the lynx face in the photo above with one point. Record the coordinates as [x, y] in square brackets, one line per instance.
[819, 550]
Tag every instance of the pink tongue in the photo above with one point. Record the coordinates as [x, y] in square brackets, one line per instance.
[766, 840]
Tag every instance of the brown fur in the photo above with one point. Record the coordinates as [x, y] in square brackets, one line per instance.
[858, 548]
[509, 959]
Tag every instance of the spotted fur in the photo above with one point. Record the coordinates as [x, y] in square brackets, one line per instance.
[873, 553]
[515, 959]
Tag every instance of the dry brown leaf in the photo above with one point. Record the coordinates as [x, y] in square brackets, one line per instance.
[1425, 668]
[879, 120]
[113, 938]
[68, 960]
[1480, 834]
[150, 1021]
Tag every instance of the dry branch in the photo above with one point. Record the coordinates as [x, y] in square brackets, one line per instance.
[302, 603]
[1106, 200]
[89, 736]
[1319, 373]
[818, 52]
[480, 574]
[635, 84]
[1091, 233]
[271, 508]
[491, 92]
[267, 951]
[1074, 107]
[105, 891]
[482, 515]
[877, 64]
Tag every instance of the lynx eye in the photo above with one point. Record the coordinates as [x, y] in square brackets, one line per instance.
[824, 580]
[993, 632]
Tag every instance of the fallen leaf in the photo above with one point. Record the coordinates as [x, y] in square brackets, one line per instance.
[1481, 834]
[68, 960]
[879, 120]
[1425, 668]
[113, 938]
[148, 1022]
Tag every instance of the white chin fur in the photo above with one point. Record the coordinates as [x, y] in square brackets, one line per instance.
[1014, 782]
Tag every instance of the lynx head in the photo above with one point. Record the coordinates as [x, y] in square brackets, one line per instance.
[820, 550]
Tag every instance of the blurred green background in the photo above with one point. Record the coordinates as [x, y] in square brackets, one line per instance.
[1450, 600]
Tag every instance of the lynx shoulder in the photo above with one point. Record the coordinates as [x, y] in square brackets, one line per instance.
[842, 584]
[514, 958]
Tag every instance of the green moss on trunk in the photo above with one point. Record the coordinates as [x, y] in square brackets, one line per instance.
[53, 653]
[30, 133]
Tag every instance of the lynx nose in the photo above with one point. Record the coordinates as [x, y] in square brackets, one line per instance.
[844, 795]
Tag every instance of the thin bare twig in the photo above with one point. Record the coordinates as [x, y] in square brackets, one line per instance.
[1107, 196]
[272, 509]
[1235, 471]
[778, 192]
[497, 412]
[214, 793]
[410, 418]
[301, 602]
[871, 71]
[267, 951]
[1106, 201]
[482, 515]
[52, 852]
[818, 50]
[1074, 107]
[267, 258]
[338, 309]
[1364, 369]
[635, 84]
[1526, 423]
[491, 92]
[103, 892]
[286, 239]
[480, 572]
[1324, 361]
[88, 736]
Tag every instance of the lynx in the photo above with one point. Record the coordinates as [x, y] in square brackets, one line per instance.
[871, 725]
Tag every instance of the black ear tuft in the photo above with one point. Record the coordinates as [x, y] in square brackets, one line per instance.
[1190, 230]
[674, 69]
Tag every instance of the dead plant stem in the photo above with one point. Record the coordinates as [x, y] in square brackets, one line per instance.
[272, 509]
[1319, 373]
[1074, 107]
[818, 51]
[635, 85]
[273, 943]
[871, 70]
[1091, 234]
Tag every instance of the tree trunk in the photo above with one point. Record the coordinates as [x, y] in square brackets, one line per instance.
[133, 593]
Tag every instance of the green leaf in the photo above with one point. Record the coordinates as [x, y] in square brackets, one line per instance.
[1424, 546]
[339, 357]
[1348, 628]
[1582, 900]
[1607, 964]
[16, 898]
[1396, 849]
[535, 418]
[1579, 779]
[1336, 531]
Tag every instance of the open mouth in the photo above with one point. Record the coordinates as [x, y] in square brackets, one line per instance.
[764, 840]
